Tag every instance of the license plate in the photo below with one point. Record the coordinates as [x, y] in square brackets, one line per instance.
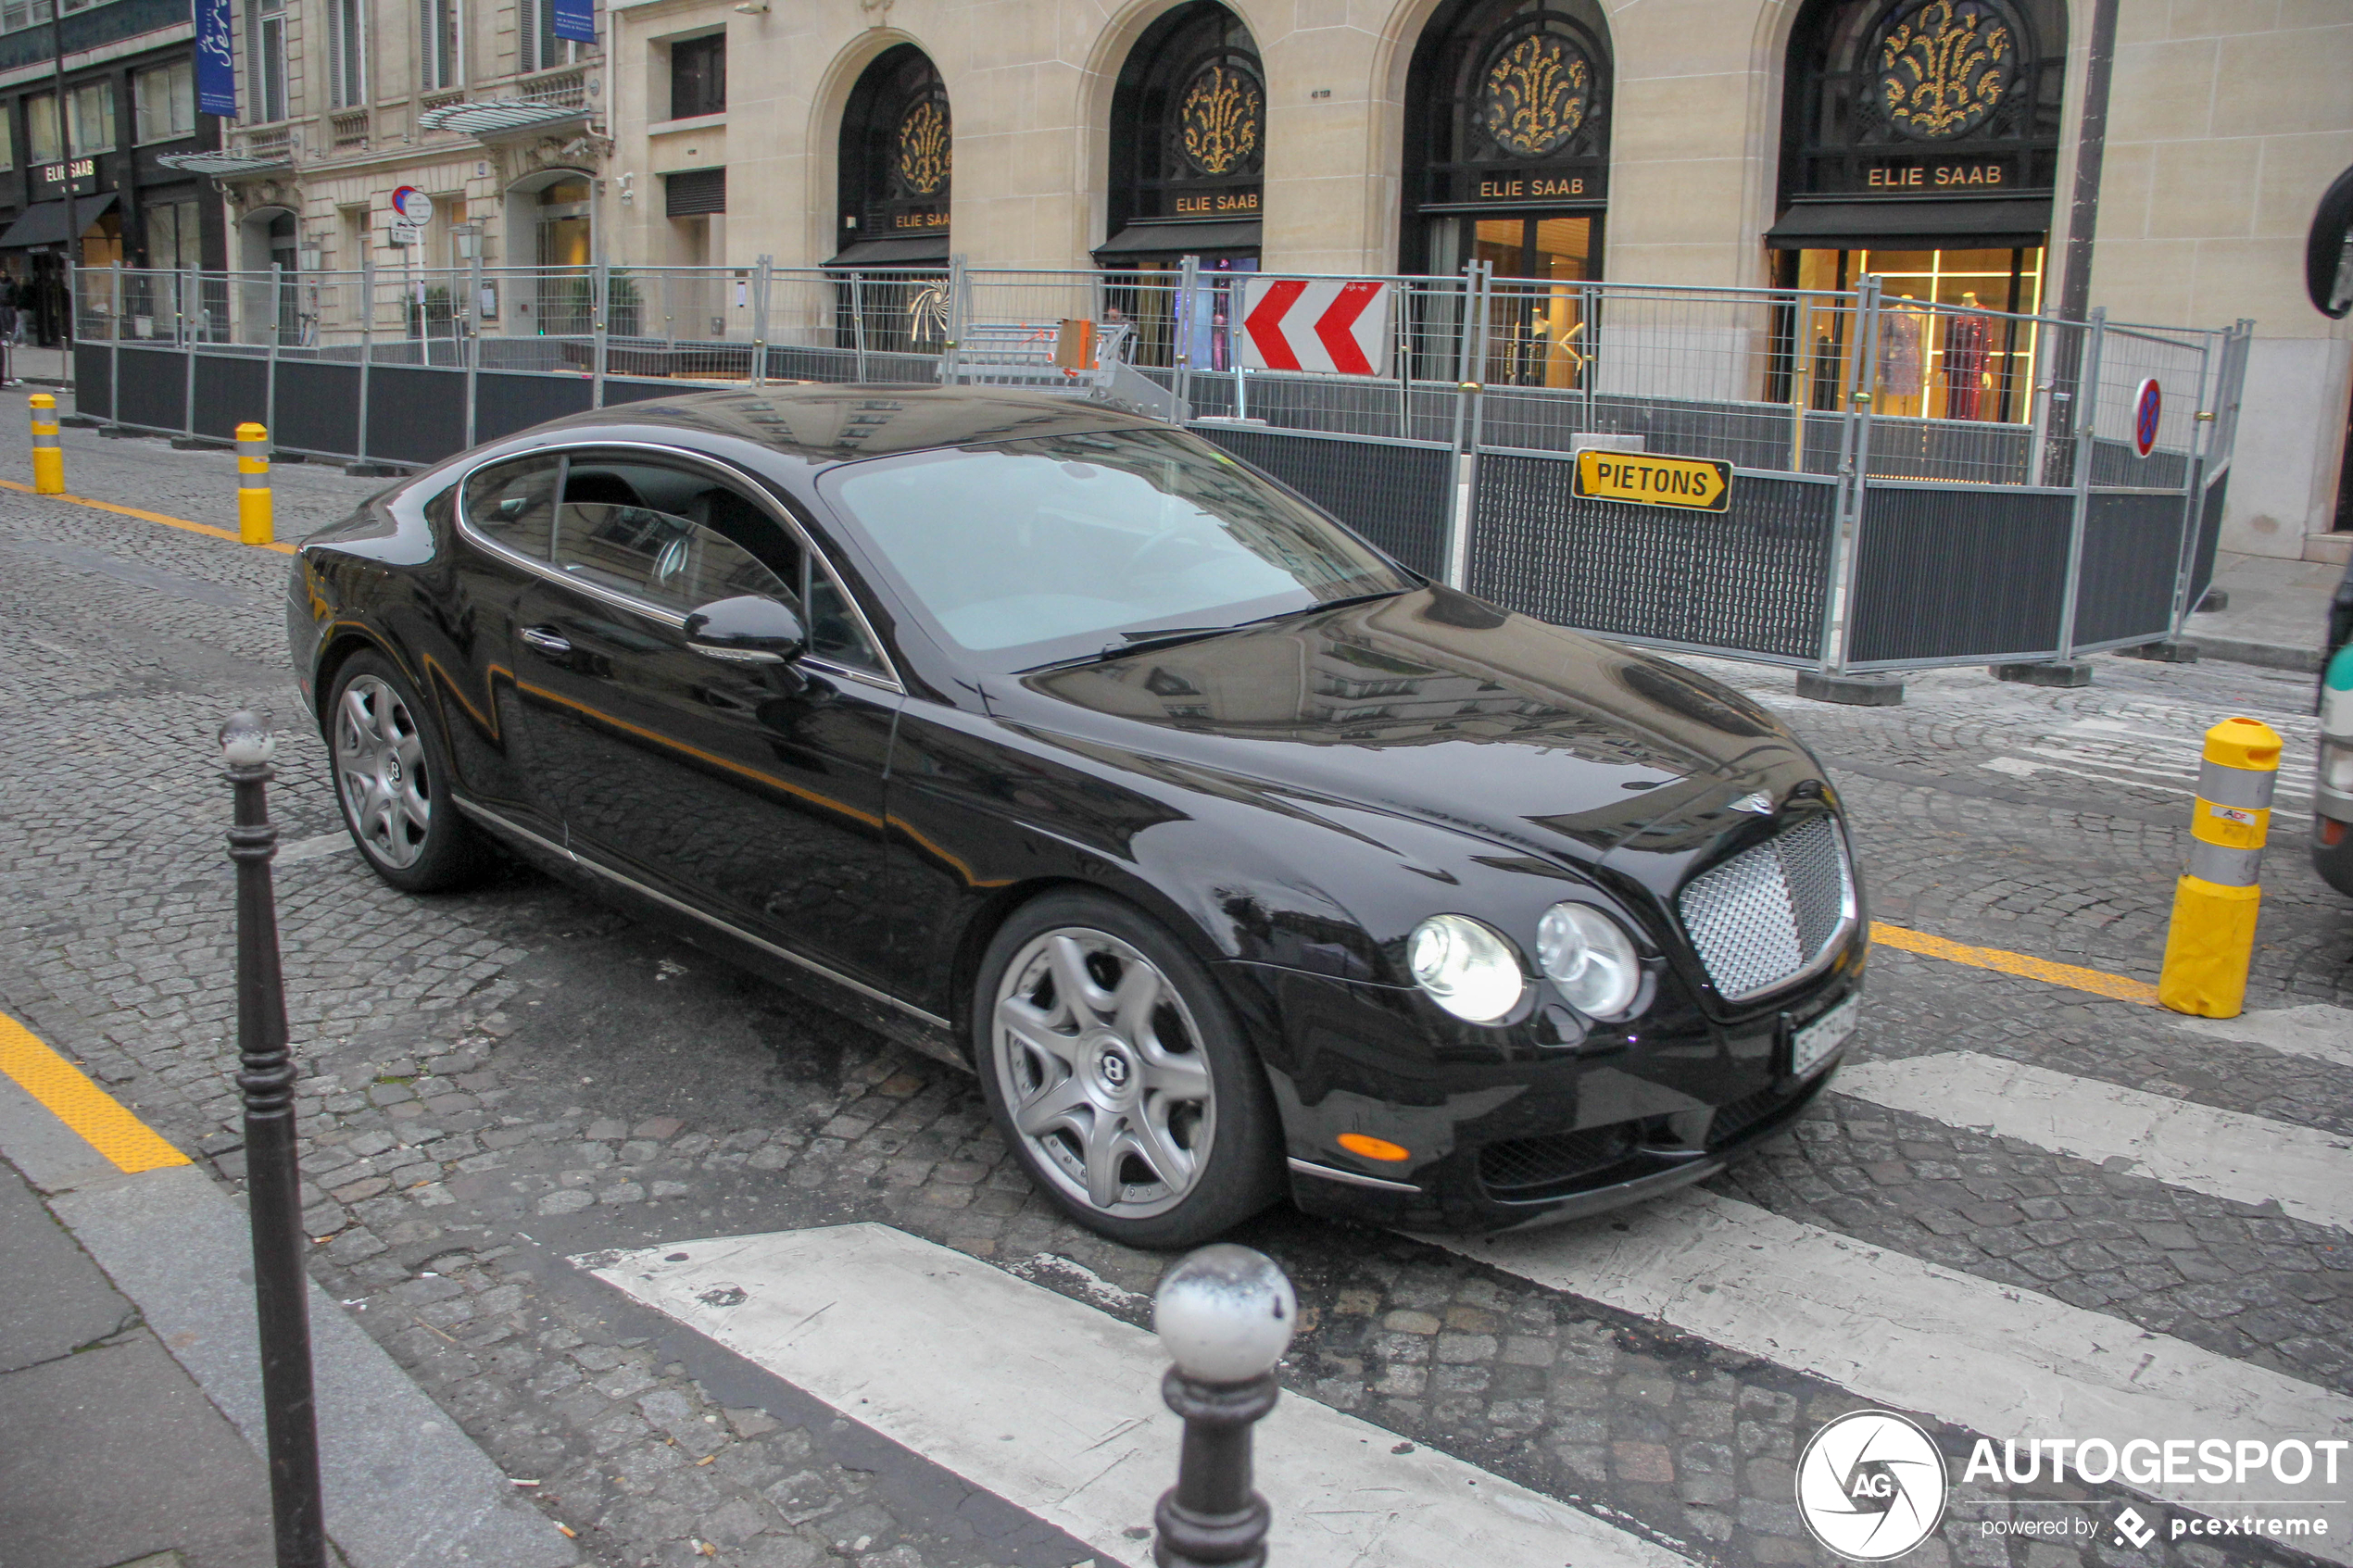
[1814, 1043]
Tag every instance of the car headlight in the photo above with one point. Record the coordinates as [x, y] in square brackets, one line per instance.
[1467, 968]
[1590, 957]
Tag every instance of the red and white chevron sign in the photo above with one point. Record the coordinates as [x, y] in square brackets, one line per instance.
[1315, 324]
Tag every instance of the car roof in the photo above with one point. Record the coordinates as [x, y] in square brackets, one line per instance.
[824, 424]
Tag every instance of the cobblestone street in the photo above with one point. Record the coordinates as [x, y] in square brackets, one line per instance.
[499, 1083]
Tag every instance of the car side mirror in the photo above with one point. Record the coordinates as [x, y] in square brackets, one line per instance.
[748, 629]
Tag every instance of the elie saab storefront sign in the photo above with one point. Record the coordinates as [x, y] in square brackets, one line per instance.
[1935, 176]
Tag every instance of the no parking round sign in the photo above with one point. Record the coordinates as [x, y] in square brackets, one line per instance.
[2148, 409]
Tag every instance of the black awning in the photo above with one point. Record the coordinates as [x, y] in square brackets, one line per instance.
[1912, 225]
[1179, 239]
[898, 250]
[43, 223]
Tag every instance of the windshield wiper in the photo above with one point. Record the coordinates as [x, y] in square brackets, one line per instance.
[1329, 604]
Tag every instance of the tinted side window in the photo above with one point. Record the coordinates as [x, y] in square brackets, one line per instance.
[672, 537]
[834, 632]
[513, 503]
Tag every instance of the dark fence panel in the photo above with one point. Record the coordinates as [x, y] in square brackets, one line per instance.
[618, 390]
[1396, 496]
[506, 402]
[2209, 536]
[1947, 572]
[93, 379]
[231, 389]
[1750, 579]
[415, 414]
[2116, 463]
[318, 407]
[2132, 553]
[155, 388]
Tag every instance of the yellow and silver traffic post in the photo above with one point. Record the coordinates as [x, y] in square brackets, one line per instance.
[48, 459]
[2212, 938]
[253, 520]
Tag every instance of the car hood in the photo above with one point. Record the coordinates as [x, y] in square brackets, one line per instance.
[1435, 705]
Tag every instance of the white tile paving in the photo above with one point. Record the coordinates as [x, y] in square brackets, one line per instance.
[1056, 1406]
[2226, 1153]
[1918, 1337]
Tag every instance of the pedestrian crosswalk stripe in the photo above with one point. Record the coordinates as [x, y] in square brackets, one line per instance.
[1055, 1406]
[2315, 1030]
[2227, 1153]
[1919, 1337]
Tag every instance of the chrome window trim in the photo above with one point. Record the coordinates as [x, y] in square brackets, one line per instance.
[888, 679]
[1352, 1178]
[473, 809]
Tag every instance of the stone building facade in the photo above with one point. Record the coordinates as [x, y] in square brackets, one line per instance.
[1748, 143]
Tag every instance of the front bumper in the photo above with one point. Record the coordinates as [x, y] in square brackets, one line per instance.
[1508, 1129]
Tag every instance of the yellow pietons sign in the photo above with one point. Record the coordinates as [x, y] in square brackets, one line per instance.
[1699, 484]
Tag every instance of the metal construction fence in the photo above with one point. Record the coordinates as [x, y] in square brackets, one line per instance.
[1911, 482]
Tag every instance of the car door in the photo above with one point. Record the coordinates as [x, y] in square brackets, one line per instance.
[752, 792]
[508, 512]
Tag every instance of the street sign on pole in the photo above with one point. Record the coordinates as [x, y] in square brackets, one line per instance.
[1701, 484]
[1336, 325]
[2148, 411]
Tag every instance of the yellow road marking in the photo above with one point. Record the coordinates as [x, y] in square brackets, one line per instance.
[2123, 988]
[227, 534]
[81, 1104]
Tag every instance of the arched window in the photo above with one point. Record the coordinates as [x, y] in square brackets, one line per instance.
[1507, 139]
[1919, 143]
[1189, 142]
[898, 154]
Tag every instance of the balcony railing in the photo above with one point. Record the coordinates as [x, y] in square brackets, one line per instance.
[349, 129]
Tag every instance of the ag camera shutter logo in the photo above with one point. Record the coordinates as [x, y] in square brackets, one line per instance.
[1870, 1486]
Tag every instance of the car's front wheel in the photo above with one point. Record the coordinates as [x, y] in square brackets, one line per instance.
[1118, 1075]
[391, 773]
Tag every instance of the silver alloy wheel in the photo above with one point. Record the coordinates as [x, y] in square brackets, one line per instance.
[380, 771]
[1102, 1071]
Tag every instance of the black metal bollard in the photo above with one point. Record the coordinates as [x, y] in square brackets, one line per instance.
[273, 1175]
[1226, 1314]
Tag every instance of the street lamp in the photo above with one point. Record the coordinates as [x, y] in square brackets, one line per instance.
[1226, 1314]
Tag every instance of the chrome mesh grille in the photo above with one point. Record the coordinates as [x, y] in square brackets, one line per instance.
[1766, 914]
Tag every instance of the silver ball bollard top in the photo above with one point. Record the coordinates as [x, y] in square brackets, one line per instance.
[1226, 1314]
[245, 739]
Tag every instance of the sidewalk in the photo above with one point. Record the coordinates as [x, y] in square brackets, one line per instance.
[130, 1373]
[114, 1456]
[2277, 616]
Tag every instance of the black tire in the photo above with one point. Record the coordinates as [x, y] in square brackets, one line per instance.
[1126, 1085]
[446, 852]
[2333, 861]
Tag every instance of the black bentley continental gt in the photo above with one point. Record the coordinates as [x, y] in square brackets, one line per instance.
[1235, 858]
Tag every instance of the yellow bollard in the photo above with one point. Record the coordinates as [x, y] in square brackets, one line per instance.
[2212, 938]
[48, 461]
[253, 520]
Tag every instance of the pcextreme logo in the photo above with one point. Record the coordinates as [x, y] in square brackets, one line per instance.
[1870, 1486]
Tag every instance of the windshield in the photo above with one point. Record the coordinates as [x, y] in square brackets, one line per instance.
[1033, 551]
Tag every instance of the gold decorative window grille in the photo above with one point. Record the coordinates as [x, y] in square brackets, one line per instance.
[1536, 95]
[1945, 68]
[1221, 119]
[925, 150]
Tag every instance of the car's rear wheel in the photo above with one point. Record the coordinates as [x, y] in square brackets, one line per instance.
[391, 770]
[1118, 1075]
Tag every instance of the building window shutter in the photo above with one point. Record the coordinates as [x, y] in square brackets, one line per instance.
[694, 192]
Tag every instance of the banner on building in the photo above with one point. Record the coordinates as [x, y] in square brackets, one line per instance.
[576, 19]
[216, 60]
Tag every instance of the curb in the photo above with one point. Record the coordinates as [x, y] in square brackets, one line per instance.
[2269, 655]
[405, 1487]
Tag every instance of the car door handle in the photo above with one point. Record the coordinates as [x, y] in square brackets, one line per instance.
[546, 640]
